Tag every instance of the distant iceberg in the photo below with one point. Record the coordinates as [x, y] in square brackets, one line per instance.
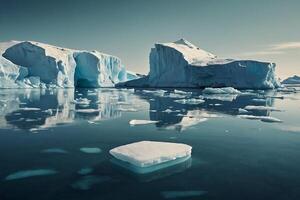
[182, 64]
[292, 80]
[30, 64]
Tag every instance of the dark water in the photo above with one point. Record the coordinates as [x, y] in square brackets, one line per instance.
[42, 133]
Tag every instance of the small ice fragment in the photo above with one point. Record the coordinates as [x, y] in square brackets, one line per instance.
[141, 122]
[251, 107]
[90, 150]
[262, 118]
[191, 101]
[182, 194]
[30, 109]
[81, 101]
[87, 110]
[48, 111]
[30, 173]
[54, 150]
[259, 100]
[181, 92]
[149, 153]
[170, 111]
[85, 171]
[243, 111]
[153, 110]
[127, 109]
[225, 90]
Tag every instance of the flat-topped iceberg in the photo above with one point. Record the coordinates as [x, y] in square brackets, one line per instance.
[182, 64]
[34, 64]
[148, 156]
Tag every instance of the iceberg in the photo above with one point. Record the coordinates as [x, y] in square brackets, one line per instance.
[292, 80]
[148, 154]
[182, 64]
[34, 64]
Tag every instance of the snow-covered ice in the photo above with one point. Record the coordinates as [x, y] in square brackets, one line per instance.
[224, 90]
[182, 64]
[141, 122]
[150, 153]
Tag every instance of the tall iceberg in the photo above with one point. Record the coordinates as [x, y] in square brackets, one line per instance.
[182, 64]
[28, 63]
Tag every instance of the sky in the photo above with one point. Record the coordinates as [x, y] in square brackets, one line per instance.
[266, 30]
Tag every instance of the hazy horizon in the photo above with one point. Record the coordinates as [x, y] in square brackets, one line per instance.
[262, 30]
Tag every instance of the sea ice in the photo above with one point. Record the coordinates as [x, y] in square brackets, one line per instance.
[150, 153]
[141, 122]
[224, 90]
[262, 118]
[191, 101]
[251, 107]
[54, 150]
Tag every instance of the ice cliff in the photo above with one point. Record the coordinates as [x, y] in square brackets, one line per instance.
[33, 64]
[182, 64]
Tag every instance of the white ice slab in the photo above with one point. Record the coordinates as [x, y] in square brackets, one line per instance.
[141, 122]
[150, 153]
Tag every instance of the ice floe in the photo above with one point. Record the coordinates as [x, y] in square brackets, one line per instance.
[224, 90]
[141, 122]
[191, 101]
[252, 107]
[85, 171]
[262, 118]
[149, 153]
[54, 150]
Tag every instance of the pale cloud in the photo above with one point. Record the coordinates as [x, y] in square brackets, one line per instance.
[286, 45]
[262, 53]
[274, 49]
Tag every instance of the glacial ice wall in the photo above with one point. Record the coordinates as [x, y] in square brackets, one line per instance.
[34, 64]
[182, 64]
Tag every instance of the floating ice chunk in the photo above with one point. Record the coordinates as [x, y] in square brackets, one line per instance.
[243, 111]
[90, 150]
[221, 97]
[181, 92]
[54, 150]
[127, 109]
[30, 109]
[86, 182]
[225, 90]
[191, 101]
[30, 173]
[259, 100]
[49, 111]
[287, 90]
[175, 95]
[251, 107]
[85, 171]
[81, 101]
[150, 153]
[152, 110]
[182, 194]
[262, 118]
[170, 111]
[88, 110]
[141, 122]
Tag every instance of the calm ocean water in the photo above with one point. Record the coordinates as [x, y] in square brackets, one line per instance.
[54, 144]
